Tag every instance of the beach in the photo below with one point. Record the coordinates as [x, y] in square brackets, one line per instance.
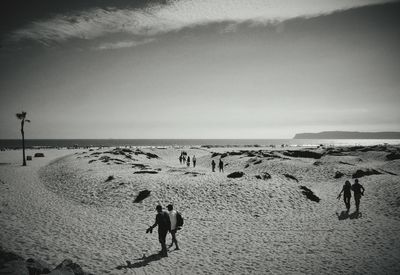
[78, 204]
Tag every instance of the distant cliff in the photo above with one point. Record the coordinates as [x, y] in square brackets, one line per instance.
[348, 135]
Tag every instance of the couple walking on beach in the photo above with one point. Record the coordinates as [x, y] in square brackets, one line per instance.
[170, 221]
[220, 165]
[358, 190]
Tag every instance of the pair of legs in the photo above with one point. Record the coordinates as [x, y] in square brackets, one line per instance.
[162, 235]
[174, 241]
[347, 202]
[357, 199]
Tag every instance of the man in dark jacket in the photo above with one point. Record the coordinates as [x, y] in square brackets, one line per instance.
[164, 225]
[358, 190]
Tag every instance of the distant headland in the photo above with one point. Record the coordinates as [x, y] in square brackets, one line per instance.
[348, 135]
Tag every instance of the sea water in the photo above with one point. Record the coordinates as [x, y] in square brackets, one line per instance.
[54, 143]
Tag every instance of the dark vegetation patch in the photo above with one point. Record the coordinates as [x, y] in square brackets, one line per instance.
[235, 175]
[127, 153]
[346, 163]
[140, 166]
[110, 178]
[291, 177]
[303, 154]
[257, 162]
[363, 173]
[390, 173]
[194, 174]
[317, 163]
[146, 172]
[264, 176]
[309, 194]
[92, 160]
[338, 175]
[393, 156]
[246, 153]
[142, 195]
[38, 155]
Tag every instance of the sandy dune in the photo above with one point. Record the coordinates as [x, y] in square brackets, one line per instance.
[66, 205]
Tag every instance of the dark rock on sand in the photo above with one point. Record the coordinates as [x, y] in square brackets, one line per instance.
[235, 175]
[338, 175]
[39, 155]
[291, 177]
[142, 195]
[303, 154]
[363, 173]
[257, 162]
[309, 194]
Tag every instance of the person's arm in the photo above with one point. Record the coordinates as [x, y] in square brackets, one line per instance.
[362, 192]
[150, 229]
[155, 223]
[340, 193]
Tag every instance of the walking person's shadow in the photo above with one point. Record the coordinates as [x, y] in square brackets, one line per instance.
[345, 215]
[142, 261]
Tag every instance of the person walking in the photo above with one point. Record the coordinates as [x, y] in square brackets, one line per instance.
[358, 190]
[213, 165]
[172, 216]
[221, 165]
[194, 161]
[164, 225]
[180, 159]
[188, 161]
[346, 190]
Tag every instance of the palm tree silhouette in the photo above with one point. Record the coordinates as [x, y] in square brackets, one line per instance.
[22, 116]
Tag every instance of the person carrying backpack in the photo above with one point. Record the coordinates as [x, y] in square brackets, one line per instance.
[346, 190]
[176, 223]
[164, 225]
[358, 190]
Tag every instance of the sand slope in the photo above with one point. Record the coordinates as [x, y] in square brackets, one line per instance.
[62, 206]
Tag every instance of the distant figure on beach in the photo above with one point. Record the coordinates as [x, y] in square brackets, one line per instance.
[188, 161]
[221, 165]
[183, 159]
[174, 229]
[213, 165]
[346, 190]
[164, 225]
[180, 159]
[358, 190]
[194, 161]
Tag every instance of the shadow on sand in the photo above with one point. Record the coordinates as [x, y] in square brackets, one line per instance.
[142, 261]
[345, 215]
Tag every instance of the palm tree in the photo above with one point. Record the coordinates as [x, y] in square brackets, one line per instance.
[22, 116]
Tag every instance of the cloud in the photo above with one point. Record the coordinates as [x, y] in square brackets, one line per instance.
[123, 44]
[173, 16]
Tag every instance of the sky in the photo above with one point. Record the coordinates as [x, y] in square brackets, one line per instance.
[199, 69]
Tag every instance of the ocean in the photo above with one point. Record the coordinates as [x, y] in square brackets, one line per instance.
[54, 143]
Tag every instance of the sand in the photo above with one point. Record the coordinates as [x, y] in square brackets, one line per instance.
[62, 206]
